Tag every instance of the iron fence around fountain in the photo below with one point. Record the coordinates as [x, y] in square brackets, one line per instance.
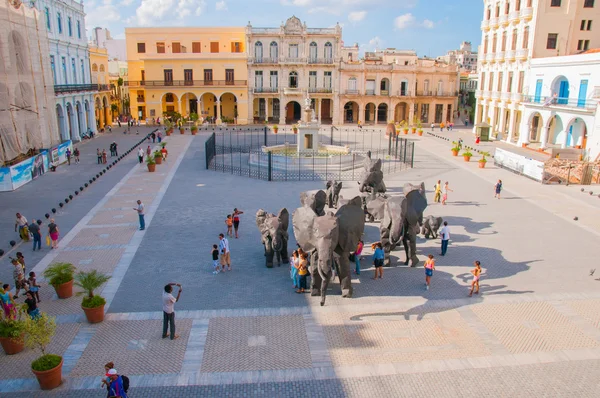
[241, 153]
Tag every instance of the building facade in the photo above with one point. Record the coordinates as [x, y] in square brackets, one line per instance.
[100, 77]
[464, 57]
[570, 119]
[69, 62]
[514, 33]
[287, 63]
[395, 85]
[199, 71]
[27, 116]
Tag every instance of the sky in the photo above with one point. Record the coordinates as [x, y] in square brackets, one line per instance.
[430, 27]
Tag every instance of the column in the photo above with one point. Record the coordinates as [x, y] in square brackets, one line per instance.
[411, 111]
[267, 109]
[544, 138]
[511, 125]
[565, 139]
[218, 111]
[318, 109]
[178, 109]
[361, 115]
[281, 111]
[484, 115]
[501, 122]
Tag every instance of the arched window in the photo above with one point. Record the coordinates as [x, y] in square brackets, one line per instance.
[328, 51]
[101, 68]
[312, 53]
[293, 80]
[258, 51]
[94, 68]
[274, 51]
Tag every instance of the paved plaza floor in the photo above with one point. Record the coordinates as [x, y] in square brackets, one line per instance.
[534, 330]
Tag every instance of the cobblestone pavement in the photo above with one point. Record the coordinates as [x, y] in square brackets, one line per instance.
[534, 329]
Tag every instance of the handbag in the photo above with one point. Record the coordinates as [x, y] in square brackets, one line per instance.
[47, 240]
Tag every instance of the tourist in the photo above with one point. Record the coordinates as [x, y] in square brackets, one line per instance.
[148, 150]
[438, 191]
[446, 190]
[21, 259]
[302, 273]
[477, 139]
[33, 286]
[18, 276]
[294, 262]
[141, 155]
[225, 255]
[106, 381]
[429, 268]
[229, 223]
[116, 146]
[378, 257]
[445, 235]
[460, 144]
[21, 223]
[32, 309]
[164, 153]
[76, 154]
[153, 137]
[8, 302]
[68, 154]
[236, 220]
[54, 233]
[140, 211]
[498, 189]
[432, 127]
[99, 155]
[159, 136]
[215, 258]
[169, 310]
[359, 124]
[34, 229]
[476, 275]
[115, 388]
[104, 156]
[357, 254]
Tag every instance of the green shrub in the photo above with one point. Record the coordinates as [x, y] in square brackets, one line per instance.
[467, 153]
[59, 273]
[93, 302]
[14, 328]
[46, 362]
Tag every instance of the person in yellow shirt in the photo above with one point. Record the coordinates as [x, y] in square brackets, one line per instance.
[438, 191]
[302, 272]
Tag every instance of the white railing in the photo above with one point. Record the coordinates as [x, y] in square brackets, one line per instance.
[514, 16]
[516, 97]
[485, 24]
[522, 53]
[499, 56]
[505, 96]
[509, 54]
[527, 12]
[503, 19]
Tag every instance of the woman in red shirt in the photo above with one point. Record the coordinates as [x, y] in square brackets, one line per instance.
[236, 220]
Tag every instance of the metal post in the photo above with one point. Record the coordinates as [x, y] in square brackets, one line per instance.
[404, 158]
[265, 129]
[412, 156]
[270, 166]
[331, 143]
[390, 145]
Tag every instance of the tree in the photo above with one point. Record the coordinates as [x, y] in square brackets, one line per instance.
[114, 108]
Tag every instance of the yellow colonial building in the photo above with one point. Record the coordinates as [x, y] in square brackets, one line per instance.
[188, 70]
[99, 66]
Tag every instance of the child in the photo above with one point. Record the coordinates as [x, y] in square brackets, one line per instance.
[378, 257]
[429, 267]
[476, 275]
[302, 273]
[106, 380]
[215, 257]
[32, 309]
[229, 223]
[294, 262]
[445, 195]
[33, 286]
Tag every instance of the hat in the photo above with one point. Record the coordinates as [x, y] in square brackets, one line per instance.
[111, 372]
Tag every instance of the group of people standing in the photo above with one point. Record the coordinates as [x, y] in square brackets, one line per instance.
[27, 231]
[30, 286]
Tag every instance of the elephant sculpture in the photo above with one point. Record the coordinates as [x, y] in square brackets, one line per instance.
[431, 225]
[274, 235]
[372, 177]
[374, 206]
[329, 239]
[401, 221]
[333, 193]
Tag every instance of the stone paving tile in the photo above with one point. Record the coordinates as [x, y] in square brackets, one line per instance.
[258, 343]
[385, 337]
[127, 202]
[108, 217]
[19, 365]
[139, 189]
[104, 236]
[54, 306]
[104, 261]
[531, 327]
[136, 347]
[588, 309]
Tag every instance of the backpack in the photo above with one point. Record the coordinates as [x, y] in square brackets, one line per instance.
[125, 382]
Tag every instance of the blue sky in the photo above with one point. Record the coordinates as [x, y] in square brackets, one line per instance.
[431, 27]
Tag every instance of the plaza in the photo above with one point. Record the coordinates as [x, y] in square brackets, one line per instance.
[534, 329]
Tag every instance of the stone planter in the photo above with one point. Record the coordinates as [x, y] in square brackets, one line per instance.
[151, 167]
[94, 315]
[49, 379]
[65, 290]
[12, 346]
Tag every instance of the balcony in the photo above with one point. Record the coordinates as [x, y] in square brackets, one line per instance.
[323, 61]
[293, 60]
[292, 91]
[499, 57]
[489, 57]
[78, 88]
[352, 92]
[516, 97]
[320, 90]
[527, 13]
[559, 102]
[369, 92]
[186, 83]
[384, 93]
[509, 55]
[522, 53]
[404, 93]
[494, 22]
[514, 17]
[141, 99]
[263, 61]
[505, 97]
[485, 24]
[425, 93]
[265, 90]
[495, 95]
[479, 93]
[503, 19]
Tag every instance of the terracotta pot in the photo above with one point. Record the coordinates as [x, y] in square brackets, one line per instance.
[94, 315]
[295, 131]
[275, 130]
[158, 159]
[181, 131]
[482, 165]
[524, 145]
[65, 290]
[414, 130]
[12, 346]
[454, 153]
[151, 167]
[194, 132]
[405, 131]
[169, 131]
[49, 379]
[420, 133]
[466, 158]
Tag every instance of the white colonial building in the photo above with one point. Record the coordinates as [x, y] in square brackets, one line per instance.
[561, 106]
[69, 61]
[464, 57]
[287, 63]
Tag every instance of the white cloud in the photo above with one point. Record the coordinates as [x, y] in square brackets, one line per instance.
[428, 24]
[100, 14]
[221, 5]
[357, 16]
[171, 12]
[404, 21]
[127, 2]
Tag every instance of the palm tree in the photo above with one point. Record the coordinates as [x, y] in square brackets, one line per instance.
[90, 281]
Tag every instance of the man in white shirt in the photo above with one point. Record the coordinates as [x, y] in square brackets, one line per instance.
[445, 235]
[140, 211]
[224, 250]
[169, 310]
[141, 155]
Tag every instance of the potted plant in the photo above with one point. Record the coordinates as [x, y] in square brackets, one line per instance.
[419, 127]
[151, 164]
[275, 128]
[181, 129]
[467, 156]
[455, 148]
[92, 305]
[483, 160]
[12, 330]
[295, 128]
[168, 126]
[60, 276]
[157, 157]
[404, 126]
[48, 367]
